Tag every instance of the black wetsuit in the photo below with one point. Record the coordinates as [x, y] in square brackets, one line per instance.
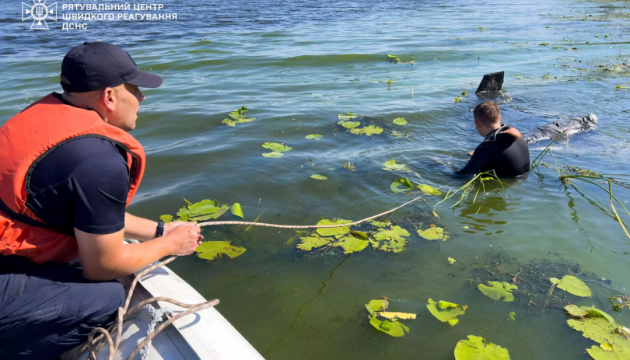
[499, 151]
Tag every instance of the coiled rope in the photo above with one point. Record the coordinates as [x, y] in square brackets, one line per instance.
[99, 336]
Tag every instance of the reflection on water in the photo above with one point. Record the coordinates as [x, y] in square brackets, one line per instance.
[297, 65]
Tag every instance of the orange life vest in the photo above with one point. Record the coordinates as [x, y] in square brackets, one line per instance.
[24, 141]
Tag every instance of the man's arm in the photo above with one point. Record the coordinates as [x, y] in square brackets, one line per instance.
[107, 257]
[477, 161]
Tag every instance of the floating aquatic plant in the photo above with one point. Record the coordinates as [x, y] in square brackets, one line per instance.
[433, 233]
[314, 136]
[387, 238]
[613, 339]
[400, 121]
[572, 285]
[391, 325]
[498, 290]
[349, 124]
[400, 185]
[476, 348]
[391, 165]
[277, 150]
[236, 210]
[428, 190]
[347, 116]
[318, 177]
[211, 250]
[446, 311]
[200, 211]
[238, 117]
[368, 130]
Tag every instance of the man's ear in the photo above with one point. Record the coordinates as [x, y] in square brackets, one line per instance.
[108, 99]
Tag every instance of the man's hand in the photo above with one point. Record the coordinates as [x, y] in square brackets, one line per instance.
[185, 237]
[168, 227]
[470, 153]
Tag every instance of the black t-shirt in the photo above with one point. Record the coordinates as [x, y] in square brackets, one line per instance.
[81, 184]
[499, 151]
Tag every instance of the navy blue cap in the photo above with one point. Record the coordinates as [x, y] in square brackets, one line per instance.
[98, 65]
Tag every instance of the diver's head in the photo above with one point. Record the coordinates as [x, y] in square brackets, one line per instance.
[487, 117]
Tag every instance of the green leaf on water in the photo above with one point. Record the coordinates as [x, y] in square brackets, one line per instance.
[347, 116]
[204, 207]
[166, 218]
[318, 177]
[498, 290]
[433, 233]
[214, 215]
[513, 316]
[476, 348]
[369, 130]
[239, 117]
[351, 243]
[210, 250]
[349, 124]
[375, 306]
[333, 231]
[572, 285]
[313, 136]
[391, 165]
[393, 327]
[394, 58]
[400, 185]
[428, 190]
[397, 135]
[274, 154]
[314, 241]
[381, 223]
[275, 147]
[390, 240]
[237, 211]
[446, 311]
[400, 121]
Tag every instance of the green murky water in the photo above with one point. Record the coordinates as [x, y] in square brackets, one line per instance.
[296, 66]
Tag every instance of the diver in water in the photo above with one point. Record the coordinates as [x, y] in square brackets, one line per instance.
[503, 150]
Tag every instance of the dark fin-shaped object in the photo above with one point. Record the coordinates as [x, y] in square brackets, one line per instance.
[491, 82]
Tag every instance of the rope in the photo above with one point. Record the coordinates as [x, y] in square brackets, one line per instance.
[211, 223]
[97, 335]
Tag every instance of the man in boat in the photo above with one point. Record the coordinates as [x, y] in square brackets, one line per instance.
[502, 149]
[68, 170]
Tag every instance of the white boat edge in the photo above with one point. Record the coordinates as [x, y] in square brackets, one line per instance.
[205, 335]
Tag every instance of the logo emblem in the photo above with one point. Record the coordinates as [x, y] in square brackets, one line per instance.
[40, 13]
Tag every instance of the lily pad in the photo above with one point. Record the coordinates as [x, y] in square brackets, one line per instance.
[369, 130]
[447, 312]
[391, 165]
[498, 290]
[313, 136]
[608, 352]
[400, 185]
[237, 211]
[204, 207]
[433, 233]
[351, 243]
[572, 285]
[275, 147]
[333, 231]
[210, 250]
[166, 218]
[314, 241]
[397, 135]
[238, 117]
[428, 190]
[400, 121]
[390, 240]
[393, 327]
[381, 223]
[214, 215]
[274, 154]
[476, 348]
[349, 124]
[318, 177]
[347, 116]
[375, 306]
